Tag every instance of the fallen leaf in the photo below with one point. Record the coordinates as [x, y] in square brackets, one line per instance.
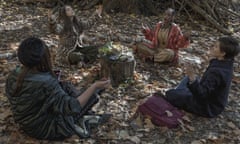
[169, 114]
[2, 128]
[231, 125]
[135, 139]
[6, 113]
[161, 141]
[123, 134]
[197, 142]
[190, 127]
[112, 135]
[186, 118]
[237, 132]
[148, 124]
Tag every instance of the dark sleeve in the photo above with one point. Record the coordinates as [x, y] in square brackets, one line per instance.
[87, 24]
[59, 101]
[55, 27]
[204, 88]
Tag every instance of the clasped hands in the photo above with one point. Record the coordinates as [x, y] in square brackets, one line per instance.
[189, 69]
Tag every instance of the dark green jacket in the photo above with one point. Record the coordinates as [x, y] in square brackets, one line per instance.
[42, 108]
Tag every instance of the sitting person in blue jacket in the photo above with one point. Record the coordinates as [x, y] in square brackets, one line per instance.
[208, 95]
[43, 107]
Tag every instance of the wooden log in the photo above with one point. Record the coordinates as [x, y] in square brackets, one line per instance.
[118, 70]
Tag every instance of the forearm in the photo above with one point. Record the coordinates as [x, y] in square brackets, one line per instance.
[183, 42]
[148, 33]
[84, 97]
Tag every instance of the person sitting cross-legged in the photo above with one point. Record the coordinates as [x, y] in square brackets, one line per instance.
[43, 107]
[163, 42]
[207, 96]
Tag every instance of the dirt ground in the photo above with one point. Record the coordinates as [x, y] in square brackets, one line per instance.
[18, 21]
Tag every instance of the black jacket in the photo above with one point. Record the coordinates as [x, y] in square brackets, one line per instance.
[207, 96]
[42, 108]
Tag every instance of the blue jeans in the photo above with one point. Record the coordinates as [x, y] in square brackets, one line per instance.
[183, 98]
[183, 83]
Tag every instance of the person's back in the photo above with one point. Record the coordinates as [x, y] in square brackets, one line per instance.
[33, 106]
[208, 96]
[43, 107]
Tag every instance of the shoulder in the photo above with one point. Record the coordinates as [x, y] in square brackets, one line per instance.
[14, 74]
[223, 64]
[218, 68]
[41, 79]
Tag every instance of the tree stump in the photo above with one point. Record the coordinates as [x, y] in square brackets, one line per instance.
[119, 70]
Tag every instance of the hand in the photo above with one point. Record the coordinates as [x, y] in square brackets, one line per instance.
[101, 84]
[49, 13]
[187, 35]
[144, 26]
[189, 70]
[99, 11]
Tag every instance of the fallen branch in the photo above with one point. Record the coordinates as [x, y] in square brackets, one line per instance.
[208, 17]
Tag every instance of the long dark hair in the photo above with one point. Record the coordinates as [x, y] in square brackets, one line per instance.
[68, 23]
[34, 55]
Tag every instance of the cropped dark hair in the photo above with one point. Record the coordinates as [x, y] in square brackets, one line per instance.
[230, 46]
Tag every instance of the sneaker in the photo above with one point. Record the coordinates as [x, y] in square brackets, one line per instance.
[102, 119]
[84, 125]
[82, 129]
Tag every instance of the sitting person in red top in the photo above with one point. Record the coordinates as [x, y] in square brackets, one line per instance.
[164, 41]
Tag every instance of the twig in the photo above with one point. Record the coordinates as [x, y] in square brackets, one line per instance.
[230, 11]
[208, 17]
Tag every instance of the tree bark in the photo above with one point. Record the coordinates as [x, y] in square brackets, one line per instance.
[118, 71]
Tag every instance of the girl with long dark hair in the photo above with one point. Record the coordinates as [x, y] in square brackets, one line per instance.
[43, 107]
[70, 29]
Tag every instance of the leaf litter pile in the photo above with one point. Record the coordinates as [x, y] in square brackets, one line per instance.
[18, 21]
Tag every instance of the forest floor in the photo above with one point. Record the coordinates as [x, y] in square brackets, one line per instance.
[18, 21]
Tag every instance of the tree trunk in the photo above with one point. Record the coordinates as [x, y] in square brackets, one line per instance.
[119, 71]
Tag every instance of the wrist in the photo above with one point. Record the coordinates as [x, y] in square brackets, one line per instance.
[93, 86]
[191, 79]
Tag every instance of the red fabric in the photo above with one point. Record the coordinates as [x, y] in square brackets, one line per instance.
[176, 39]
[156, 107]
